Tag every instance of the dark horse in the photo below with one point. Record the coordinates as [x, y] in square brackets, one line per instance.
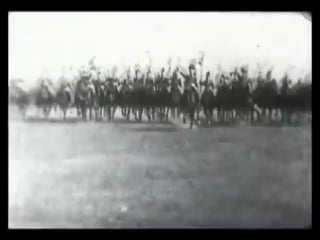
[101, 99]
[111, 100]
[138, 96]
[125, 100]
[150, 100]
[175, 100]
[162, 99]
[206, 102]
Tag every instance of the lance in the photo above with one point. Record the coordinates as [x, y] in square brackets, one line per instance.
[128, 74]
[149, 58]
[201, 63]
[169, 66]
[201, 67]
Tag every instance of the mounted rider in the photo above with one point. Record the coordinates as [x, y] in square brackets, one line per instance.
[207, 83]
[149, 81]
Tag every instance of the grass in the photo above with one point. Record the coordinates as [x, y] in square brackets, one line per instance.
[137, 175]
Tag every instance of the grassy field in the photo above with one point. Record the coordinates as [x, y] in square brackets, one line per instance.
[121, 175]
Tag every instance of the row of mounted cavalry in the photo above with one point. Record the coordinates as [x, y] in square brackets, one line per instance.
[233, 96]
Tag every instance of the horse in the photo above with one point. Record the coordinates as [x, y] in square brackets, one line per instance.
[175, 100]
[224, 101]
[190, 104]
[162, 99]
[149, 100]
[285, 102]
[138, 96]
[21, 98]
[125, 103]
[100, 99]
[64, 100]
[45, 99]
[111, 97]
[206, 102]
[84, 98]
[241, 100]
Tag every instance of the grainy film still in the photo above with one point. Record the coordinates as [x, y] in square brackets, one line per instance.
[159, 120]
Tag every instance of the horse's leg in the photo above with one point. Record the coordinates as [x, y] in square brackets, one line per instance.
[227, 114]
[112, 111]
[134, 113]
[262, 115]
[23, 113]
[140, 113]
[222, 114]
[104, 112]
[163, 111]
[90, 112]
[65, 114]
[148, 113]
[270, 115]
[198, 113]
[127, 112]
[284, 116]
[44, 112]
[83, 112]
[115, 110]
[250, 115]
[184, 120]
[205, 112]
[108, 113]
[276, 115]
[210, 115]
[167, 114]
[78, 110]
[217, 114]
[192, 113]
[160, 114]
[177, 112]
[122, 112]
[151, 112]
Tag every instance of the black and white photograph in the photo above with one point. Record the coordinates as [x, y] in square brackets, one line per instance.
[146, 120]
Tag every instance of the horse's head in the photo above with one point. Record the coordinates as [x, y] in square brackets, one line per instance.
[150, 88]
[44, 91]
[83, 89]
[101, 89]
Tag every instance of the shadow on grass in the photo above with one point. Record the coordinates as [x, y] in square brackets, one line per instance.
[253, 124]
[152, 129]
[79, 120]
[121, 121]
[43, 120]
[125, 121]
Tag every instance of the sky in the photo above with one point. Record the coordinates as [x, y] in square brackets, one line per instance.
[45, 42]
